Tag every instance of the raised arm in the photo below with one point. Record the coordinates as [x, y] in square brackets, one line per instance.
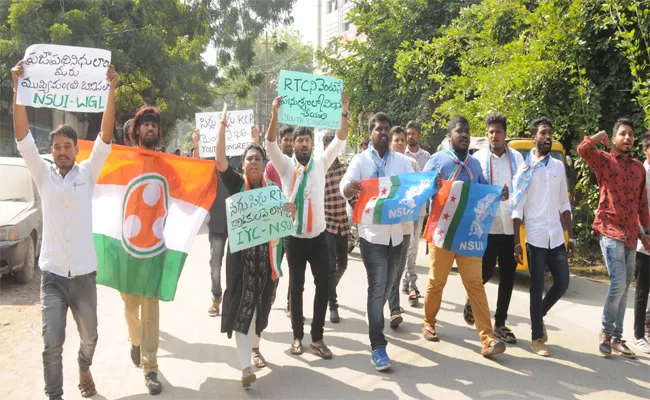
[21, 124]
[591, 155]
[271, 132]
[273, 151]
[220, 155]
[108, 119]
[342, 133]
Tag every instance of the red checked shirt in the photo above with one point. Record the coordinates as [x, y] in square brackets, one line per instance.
[623, 197]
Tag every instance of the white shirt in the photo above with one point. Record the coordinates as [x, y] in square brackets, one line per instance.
[68, 248]
[285, 167]
[501, 175]
[363, 167]
[639, 246]
[540, 208]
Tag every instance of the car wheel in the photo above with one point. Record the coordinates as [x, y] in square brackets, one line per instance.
[26, 273]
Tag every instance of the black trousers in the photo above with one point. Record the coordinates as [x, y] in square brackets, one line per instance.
[642, 276]
[338, 263]
[299, 253]
[502, 248]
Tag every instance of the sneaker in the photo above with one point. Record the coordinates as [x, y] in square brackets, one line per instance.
[247, 378]
[334, 316]
[619, 347]
[135, 355]
[642, 345]
[152, 383]
[504, 333]
[539, 347]
[395, 320]
[647, 329]
[492, 347]
[605, 346]
[380, 360]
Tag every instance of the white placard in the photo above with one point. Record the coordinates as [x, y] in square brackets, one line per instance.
[238, 132]
[65, 77]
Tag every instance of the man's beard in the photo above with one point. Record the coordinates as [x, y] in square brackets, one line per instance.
[303, 158]
[148, 143]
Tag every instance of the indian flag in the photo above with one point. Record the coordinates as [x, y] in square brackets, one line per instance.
[394, 199]
[147, 209]
[461, 216]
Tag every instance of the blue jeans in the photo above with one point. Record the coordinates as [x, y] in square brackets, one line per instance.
[620, 266]
[217, 247]
[381, 262]
[410, 277]
[393, 297]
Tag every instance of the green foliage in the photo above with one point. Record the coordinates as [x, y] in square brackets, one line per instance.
[156, 45]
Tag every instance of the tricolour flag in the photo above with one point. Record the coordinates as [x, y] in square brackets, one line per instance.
[461, 217]
[395, 199]
[147, 209]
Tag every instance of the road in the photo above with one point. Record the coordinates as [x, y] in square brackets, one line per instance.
[198, 362]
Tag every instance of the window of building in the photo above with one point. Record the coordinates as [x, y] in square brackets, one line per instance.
[332, 5]
[347, 25]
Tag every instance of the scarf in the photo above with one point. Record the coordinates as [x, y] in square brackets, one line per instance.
[459, 164]
[521, 181]
[275, 246]
[380, 164]
[487, 166]
[301, 196]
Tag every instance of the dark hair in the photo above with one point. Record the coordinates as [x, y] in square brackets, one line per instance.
[286, 130]
[493, 119]
[63, 130]
[135, 124]
[536, 123]
[646, 140]
[380, 116]
[177, 152]
[364, 142]
[253, 146]
[328, 138]
[415, 125]
[302, 131]
[457, 120]
[623, 121]
[397, 130]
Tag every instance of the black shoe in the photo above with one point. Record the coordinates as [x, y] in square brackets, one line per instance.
[334, 316]
[619, 347]
[605, 346]
[152, 383]
[135, 355]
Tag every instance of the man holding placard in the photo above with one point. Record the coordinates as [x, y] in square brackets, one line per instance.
[303, 182]
[68, 258]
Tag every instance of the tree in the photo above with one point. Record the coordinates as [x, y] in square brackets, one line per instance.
[156, 45]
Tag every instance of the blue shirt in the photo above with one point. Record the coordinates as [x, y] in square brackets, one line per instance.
[441, 161]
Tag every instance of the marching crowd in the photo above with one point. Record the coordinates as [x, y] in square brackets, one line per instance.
[321, 189]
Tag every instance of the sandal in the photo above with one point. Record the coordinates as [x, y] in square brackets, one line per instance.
[395, 320]
[214, 311]
[247, 378]
[296, 347]
[258, 358]
[414, 295]
[504, 333]
[87, 388]
[429, 333]
[321, 350]
[468, 315]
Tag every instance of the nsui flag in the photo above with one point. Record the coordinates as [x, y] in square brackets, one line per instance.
[461, 217]
[395, 199]
[147, 209]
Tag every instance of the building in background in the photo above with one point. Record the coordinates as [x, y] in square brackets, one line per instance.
[333, 21]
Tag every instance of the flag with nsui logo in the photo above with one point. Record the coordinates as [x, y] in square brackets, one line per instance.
[147, 209]
[461, 217]
[395, 199]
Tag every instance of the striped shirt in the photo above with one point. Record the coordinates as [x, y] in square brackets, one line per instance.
[421, 156]
[336, 216]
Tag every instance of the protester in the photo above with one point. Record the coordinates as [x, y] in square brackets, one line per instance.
[541, 197]
[303, 182]
[363, 146]
[500, 164]
[622, 210]
[642, 270]
[67, 258]
[143, 313]
[177, 152]
[380, 245]
[456, 164]
[337, 228]
[398, 145]
[125, 132]
[414, 151]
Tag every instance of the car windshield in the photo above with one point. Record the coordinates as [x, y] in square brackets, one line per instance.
[16, 184]
[554, 153]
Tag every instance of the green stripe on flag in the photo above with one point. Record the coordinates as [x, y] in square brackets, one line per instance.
[458, 216]
[379, 206]
[155, 276]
